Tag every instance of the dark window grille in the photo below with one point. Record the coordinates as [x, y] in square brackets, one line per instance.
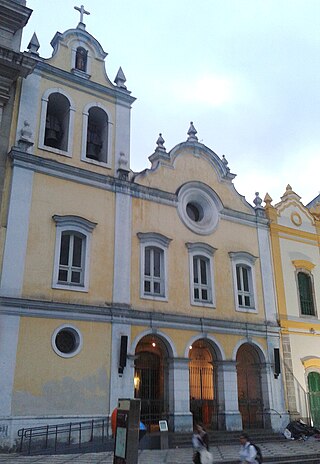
[305, 294]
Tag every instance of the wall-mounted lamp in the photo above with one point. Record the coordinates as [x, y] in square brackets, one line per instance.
[136, 382]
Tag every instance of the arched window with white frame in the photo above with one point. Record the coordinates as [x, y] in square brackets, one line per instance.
[202, 291]
[244, 285]
[72, 253]
[153, 265]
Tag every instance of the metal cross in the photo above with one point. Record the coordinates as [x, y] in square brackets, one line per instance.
[82, 11]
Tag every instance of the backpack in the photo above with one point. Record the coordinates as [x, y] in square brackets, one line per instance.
[259, 454]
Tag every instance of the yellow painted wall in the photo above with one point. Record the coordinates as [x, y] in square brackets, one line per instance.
[181, 339]
[188, 168]
[80, 99]
[62, 60]
[228, 236]
[93, 204]
[51, 384]
[290, 251]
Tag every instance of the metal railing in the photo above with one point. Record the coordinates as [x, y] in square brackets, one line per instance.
[63, 436]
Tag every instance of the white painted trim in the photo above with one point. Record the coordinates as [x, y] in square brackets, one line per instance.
[161, 242]
[72, 224]
[9, 336]
[85, 117]
[172, 351]
[75, 44]
[79, 341]
[247, 260]
[121, 385]
[43, 115]
[268, 288]
[122, 136]
[255, 344]
[122, 249]
[13, 266]
[202, 195]
[209, 337]
[202, 250]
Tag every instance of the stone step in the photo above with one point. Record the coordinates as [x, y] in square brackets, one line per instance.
[221, 437]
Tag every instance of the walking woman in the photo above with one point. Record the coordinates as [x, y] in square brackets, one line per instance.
[200, 442]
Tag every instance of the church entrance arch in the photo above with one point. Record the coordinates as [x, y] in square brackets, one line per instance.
[314, 397]
[203, 384]
[249, 386]
[151, 379]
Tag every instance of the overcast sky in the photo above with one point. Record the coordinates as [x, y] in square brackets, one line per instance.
[246, 72]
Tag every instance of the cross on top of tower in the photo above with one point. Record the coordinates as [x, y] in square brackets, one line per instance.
[82, 12]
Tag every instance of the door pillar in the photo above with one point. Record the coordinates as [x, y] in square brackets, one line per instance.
[180, 420]
[227, 391]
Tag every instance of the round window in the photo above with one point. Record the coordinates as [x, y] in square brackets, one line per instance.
[194, 211]
[198, 207]
[66, 341]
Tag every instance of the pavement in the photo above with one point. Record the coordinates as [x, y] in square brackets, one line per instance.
[280, 451]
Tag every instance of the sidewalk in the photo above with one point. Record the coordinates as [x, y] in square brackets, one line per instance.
[221, 454]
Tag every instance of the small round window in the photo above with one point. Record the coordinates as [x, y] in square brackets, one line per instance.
[198, 207]
[194, 211]
[66, 341]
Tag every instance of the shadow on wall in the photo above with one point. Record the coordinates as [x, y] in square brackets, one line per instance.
[67, 396]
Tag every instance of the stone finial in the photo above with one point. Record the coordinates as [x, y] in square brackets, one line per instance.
[120, 79]
[192, 133]
[257, 201]
[160, 143]
[225, 162]
[34, 45]
[259, 209]
[289, 193]
[267, 199]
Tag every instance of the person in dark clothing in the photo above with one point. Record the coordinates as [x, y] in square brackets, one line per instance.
[200, 441]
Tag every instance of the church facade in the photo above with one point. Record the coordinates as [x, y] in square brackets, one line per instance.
[156, 285]
[295, 239]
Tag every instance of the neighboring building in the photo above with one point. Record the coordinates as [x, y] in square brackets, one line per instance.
[295, 238]
[14, 16]
[114, 284]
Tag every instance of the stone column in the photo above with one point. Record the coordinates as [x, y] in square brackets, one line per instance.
[180, 417]
[289, 378]
[229, 414]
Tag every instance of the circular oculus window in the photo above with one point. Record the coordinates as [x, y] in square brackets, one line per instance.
[66, 341]
[197, 208]
[296, 219]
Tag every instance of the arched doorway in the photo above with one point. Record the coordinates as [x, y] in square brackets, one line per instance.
[150, 379]
[314, 397]
[202, 378]
[249, 387]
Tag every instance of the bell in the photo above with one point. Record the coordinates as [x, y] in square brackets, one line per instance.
[51, 138]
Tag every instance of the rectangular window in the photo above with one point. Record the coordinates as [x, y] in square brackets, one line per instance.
[201, 287]
[71, 259]
[153, 271]
[245, 296]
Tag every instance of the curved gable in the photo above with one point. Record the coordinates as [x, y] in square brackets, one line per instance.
[64, 56]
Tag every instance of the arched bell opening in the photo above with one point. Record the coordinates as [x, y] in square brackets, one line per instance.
[203, 384]
[249, 387]
[57, 122]
[151, 379]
